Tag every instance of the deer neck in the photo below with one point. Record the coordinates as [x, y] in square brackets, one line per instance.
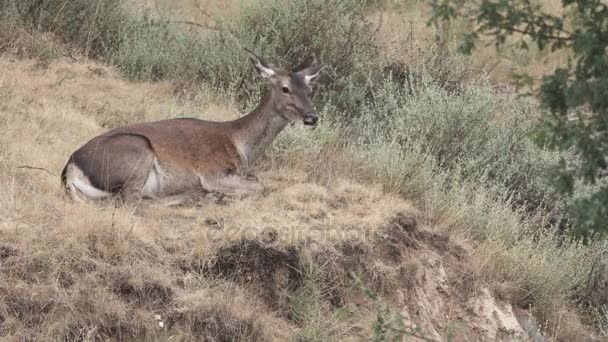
[257, 130]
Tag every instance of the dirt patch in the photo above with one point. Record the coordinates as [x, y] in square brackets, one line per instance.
[422, 276]
[217, 323]
[142, 290]
[432, 288]
[7, 251]
[270, 269]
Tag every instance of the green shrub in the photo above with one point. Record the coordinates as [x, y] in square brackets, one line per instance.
[151, 51]
[474, 134]
[288, 34]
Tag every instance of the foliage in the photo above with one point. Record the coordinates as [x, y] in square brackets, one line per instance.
[92, 27]
[473, 134]
[334, 32]
[602, 318]
[290, 35]
[462, 157]
[575, 94]
[153, 48]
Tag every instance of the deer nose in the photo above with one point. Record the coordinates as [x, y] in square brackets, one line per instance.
[311, 118]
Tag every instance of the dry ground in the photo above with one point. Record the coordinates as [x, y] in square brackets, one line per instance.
[276, 266]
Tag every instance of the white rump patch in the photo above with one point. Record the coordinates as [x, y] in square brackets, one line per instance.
[153, 184]
[89, 191]
[80, 188]
[242, 150]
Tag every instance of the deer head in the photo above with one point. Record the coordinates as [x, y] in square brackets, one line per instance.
[291, 91]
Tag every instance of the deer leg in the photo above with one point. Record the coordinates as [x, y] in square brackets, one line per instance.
[187, 198]
[130, 195]
[231, 185]
[251, 177]
[169, 201]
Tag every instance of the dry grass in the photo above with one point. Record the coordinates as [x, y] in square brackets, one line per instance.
[80, 272]
[85, 272]
[271, 267]
[196, 16]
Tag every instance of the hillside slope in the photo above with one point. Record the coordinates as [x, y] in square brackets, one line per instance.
[306, 260]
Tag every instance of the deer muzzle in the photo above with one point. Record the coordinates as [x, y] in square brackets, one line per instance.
[311, 118]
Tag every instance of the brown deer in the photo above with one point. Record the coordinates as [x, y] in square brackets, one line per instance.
[176, 159]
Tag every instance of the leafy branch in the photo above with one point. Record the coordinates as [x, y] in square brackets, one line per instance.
[574, 94]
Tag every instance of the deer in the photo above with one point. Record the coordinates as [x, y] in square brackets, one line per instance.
[173, 160]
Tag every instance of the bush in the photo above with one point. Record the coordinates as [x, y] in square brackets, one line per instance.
[152, 51]
[287, 34]
[474, 134]
[92, 27]
[334, 31]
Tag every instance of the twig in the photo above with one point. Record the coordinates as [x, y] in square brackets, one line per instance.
[3, 73]
[493, 67]
[411, 36]
[590, 276]
[545, 36]
[210, 17]
[69, 53]
[89, 39]
[198, 5]
[36, 168]
[59, 13]
[188, 22]
[192, 23]
[380, 21]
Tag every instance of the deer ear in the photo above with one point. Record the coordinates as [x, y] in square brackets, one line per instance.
[312, 73]
[265, 70]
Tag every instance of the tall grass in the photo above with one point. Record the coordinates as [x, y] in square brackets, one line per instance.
[476, 134]
[94, 28]
[289, 34]
[152, 48]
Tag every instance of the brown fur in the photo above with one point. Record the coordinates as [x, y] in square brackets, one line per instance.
[176, 156]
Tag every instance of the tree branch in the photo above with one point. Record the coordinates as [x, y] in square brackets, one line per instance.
[545, 36]
[192, 23]
[36, 168]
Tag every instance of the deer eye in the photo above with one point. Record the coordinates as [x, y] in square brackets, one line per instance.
[285, 90]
